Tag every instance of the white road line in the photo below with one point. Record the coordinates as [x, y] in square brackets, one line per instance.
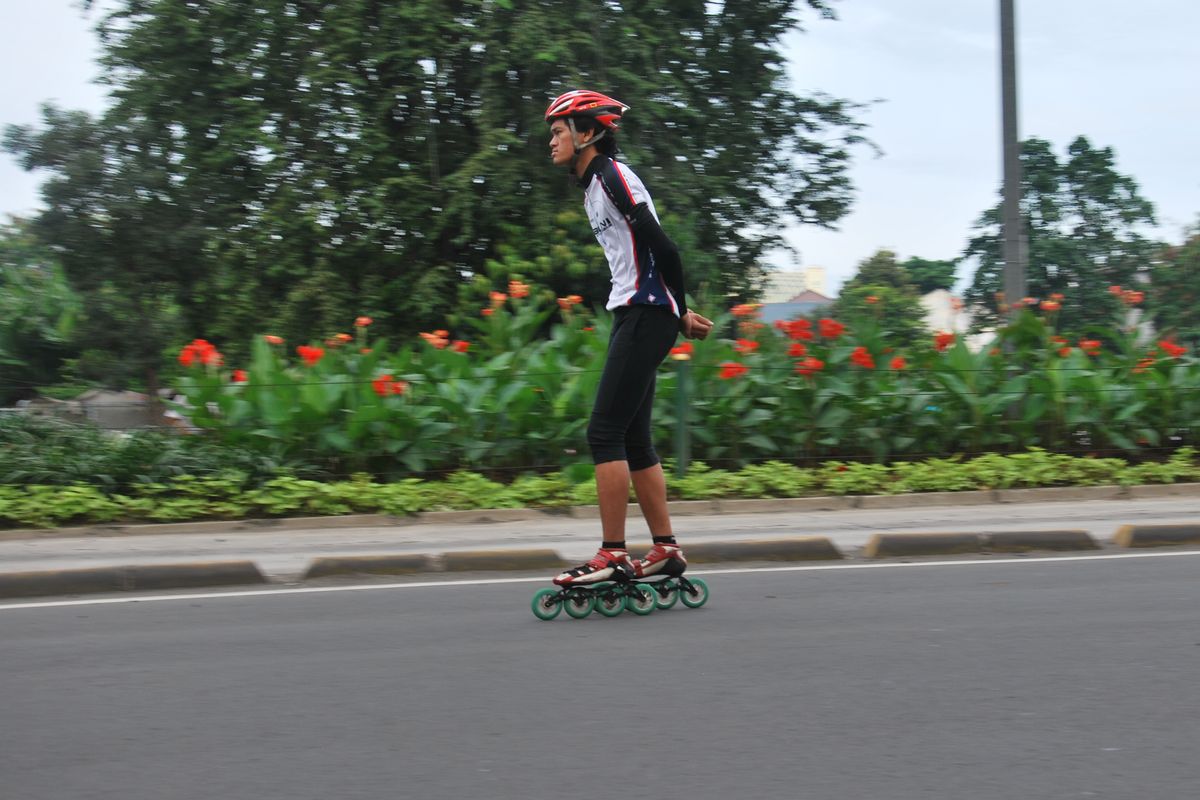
[376, 587]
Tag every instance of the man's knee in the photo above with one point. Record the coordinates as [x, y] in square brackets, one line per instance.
[606, 440]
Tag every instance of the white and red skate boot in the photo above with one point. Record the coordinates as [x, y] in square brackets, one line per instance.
[663, 559]
[603, 566]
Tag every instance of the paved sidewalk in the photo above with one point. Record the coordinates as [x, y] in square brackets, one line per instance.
[284, 554]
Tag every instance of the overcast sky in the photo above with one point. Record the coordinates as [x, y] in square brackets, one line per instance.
[1124, 74]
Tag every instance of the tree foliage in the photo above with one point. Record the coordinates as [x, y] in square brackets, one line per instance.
[1174, 295]
[1083, 221]
[930, 275]
[286, 165]
[882, 295]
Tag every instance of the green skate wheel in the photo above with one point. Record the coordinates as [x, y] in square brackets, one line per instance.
[610, 603]
[700, 596]
[546, 604]
[579, 604]
[666, 595]
[641, 600]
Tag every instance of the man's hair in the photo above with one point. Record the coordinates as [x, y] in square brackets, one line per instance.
[608, 142]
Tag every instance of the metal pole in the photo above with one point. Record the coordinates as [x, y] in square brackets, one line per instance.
[682, 441]
[1014, 255]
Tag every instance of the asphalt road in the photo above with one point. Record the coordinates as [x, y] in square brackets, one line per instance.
[1033, 679]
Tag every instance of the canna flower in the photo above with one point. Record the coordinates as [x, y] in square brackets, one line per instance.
[862, 358]
[745, 309]
[682, 352]
[942, 340]
[487, 312]
[1051, 305]
[518, 290]
[831, 329]
[1171, 349]
[436, 339]
[797, 350]
[1090, 346]
[460, 346]
[746, 346]
[1115, 291]
[898, 363]
[311, 355]
[1132, 298]
[202, 351]
[385, 385]
[273, 339]
[363, 322]
[732, 369]
[810, 365]
[872, 299]
[239, 376]
[498, 299]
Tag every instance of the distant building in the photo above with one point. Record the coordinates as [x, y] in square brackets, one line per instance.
[783, 285]
[803, 304]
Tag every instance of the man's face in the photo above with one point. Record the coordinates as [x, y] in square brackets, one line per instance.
[562, 150]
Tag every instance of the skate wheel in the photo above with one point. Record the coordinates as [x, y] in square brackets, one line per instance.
[546, 604]
[641, 600]
[579, 604]
[667, 595]
[695, 598]
[610, 604]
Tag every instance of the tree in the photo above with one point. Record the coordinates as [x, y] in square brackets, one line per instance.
[929, 276]
[38, 314]
[1082, 221]
[882, 296]
[1174, 292]
[326, 159]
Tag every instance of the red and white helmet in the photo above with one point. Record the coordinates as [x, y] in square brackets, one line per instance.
[586, 103]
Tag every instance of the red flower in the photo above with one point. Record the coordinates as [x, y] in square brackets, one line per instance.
[682, 352]
[1090, 346]
[273, 339]
[898, 363]
[1144, 364]
[1051, 305]
[363, 322]
[831, 329]
[732, 369]
[498, 299]
[202, 351]
[239, 376]
[1132, 298]
[311, 355]
[862, 358]
[745, 309]
[487, 312]
[461, 346]
[746, 346]
[1064, 352]
[810, 365]
[1171, 349]
[872, 299]
[385, 385]
[942, 340]
[1115, 291]
[437, 339]
[797, 350]
[796, 329]
[518, 290]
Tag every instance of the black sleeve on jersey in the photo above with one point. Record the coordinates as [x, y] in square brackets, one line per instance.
[666, 254]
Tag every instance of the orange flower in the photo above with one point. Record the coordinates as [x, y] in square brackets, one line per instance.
[732, 369]
[831, 329]
[518, 290]
[498, 299]
[1064, 352]
[1132, 298]
[1144, 364]
[240, 376]
[1115, 290]
[1090, 346]
[575, 299]
[943, 340]
[797, 350]
[1051, 305]
[385, 385]
[872, 299]
[1171, 349]
[487, 312]
[436, 339]
[202, 351]
[311, 355]
[363, 322]
[683, 351]
[745, 309]
[461, 346]
[810, 365]
[898, 363]
[1057, 297]
[862, 358]
[273, 339]
[746, 346]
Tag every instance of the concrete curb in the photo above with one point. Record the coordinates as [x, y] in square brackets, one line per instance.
[488, 560]
[142, 577]
[900, 545]
[369, 565]
[677, 508]
[1156, 535]
[803, 548]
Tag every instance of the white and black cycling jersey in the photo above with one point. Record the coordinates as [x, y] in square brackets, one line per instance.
[644, 263]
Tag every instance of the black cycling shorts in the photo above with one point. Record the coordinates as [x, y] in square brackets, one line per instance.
[619, 429]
